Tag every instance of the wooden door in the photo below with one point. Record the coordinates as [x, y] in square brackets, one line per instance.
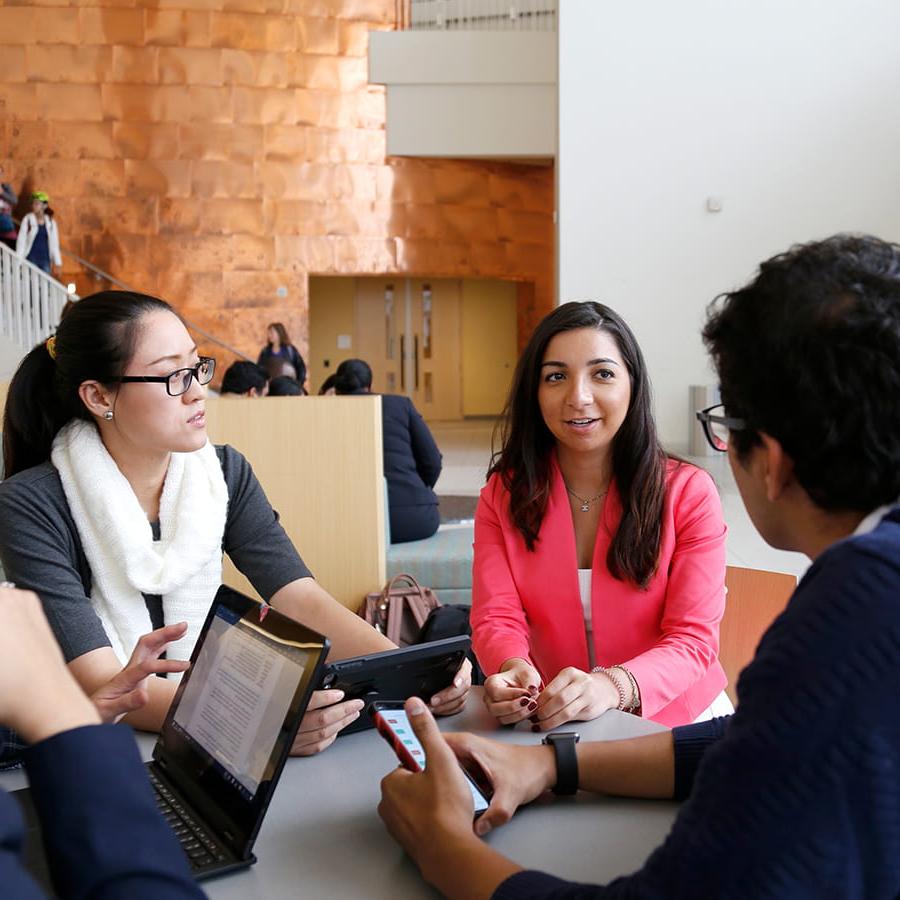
[378, 331]
[489, 312]
[432, 346]
[408, 331]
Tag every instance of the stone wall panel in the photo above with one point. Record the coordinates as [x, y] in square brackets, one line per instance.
[216, 151]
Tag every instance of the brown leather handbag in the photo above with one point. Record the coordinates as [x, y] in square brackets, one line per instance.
[399, 611]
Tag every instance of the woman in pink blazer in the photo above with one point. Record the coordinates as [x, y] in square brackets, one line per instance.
[599, 574]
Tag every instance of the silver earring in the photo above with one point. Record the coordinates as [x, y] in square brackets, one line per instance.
[108, 415]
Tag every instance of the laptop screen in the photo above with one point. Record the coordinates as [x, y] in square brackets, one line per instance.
[236, 711]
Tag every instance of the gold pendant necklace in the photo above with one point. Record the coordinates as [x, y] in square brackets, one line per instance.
[587, 501]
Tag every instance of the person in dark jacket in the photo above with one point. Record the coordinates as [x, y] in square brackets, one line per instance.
[412, 461]
[280, 356]
[795, 795]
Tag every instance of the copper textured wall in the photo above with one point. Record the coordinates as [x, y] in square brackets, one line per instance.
[216, 152]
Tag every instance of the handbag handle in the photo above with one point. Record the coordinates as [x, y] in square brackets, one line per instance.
[402, 576]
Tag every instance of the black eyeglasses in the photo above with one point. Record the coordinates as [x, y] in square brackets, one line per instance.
[177, 382]
[717, 427]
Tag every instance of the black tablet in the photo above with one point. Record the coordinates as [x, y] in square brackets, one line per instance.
[420, 670]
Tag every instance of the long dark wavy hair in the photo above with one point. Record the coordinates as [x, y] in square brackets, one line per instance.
[638, 460]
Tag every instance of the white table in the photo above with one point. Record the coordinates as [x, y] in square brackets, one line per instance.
[322, 836]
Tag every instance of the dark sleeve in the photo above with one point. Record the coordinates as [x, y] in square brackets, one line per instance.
[254, 538]
[530, 884]
[425, 450]
[299, 364]
[261, 359]
[14, 878]
[39, 550]
[102, 832]
[691, 743]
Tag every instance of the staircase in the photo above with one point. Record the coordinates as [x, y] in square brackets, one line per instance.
[31, 303]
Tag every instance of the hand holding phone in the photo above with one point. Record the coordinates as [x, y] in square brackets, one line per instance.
[393, 724]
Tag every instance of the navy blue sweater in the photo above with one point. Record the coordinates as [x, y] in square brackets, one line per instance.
[797, 795]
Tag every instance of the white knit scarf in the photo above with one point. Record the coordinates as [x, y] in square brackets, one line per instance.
[184, 566]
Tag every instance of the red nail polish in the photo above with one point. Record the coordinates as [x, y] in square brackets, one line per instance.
[535, 728]
[533, 718]
[532, 705]
[533, 688]
[524, 701]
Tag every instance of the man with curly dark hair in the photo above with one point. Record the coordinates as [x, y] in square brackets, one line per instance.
[797, 795]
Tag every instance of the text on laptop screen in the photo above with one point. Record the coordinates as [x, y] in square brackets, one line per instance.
[241, 687]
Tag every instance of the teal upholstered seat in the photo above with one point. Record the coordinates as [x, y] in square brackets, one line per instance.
[442, 562]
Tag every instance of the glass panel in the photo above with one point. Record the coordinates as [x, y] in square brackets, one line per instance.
[389, 332]
[426, 321]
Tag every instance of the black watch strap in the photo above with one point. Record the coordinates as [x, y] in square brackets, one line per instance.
[563, 744]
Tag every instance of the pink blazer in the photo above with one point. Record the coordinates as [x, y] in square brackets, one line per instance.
[528, 604]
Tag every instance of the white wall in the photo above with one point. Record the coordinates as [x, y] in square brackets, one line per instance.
[787, 111]
[467, 93]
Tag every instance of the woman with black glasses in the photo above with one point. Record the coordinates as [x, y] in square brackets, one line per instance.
[116, 508]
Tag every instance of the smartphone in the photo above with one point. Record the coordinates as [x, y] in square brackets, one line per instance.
[393, 724]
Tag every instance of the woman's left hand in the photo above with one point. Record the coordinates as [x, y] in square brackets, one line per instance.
[572, 696]
[451, 700]
[127, 691]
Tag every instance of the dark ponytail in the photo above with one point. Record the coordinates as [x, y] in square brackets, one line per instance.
[95, 340]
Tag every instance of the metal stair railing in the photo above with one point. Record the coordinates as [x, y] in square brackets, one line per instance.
[31, 301]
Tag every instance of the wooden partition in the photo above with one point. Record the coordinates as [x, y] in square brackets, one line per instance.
[319, 461]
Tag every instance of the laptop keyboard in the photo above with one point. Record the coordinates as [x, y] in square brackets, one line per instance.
[202, 849]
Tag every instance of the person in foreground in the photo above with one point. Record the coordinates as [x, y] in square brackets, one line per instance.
[599, 566]
[795, 795]
[117, 509]
[102, 832]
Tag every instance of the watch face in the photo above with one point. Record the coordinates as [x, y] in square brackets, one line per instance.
[561, 736]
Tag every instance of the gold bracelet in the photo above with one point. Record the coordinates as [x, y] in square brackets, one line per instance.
[608, 673]
[635, 693]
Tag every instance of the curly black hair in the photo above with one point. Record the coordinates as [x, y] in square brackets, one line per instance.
[809, 353]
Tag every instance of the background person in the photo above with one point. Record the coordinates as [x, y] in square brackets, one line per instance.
[38, 239]
[599, 566]
[100, 826]
[246, 379]
[412, 461]
[116, 509]
[793, 796]
[282, 386]
[278, 352]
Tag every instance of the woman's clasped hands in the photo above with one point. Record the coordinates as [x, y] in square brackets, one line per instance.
[515, 694]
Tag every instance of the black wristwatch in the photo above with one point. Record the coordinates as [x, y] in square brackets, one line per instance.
[563, 744]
